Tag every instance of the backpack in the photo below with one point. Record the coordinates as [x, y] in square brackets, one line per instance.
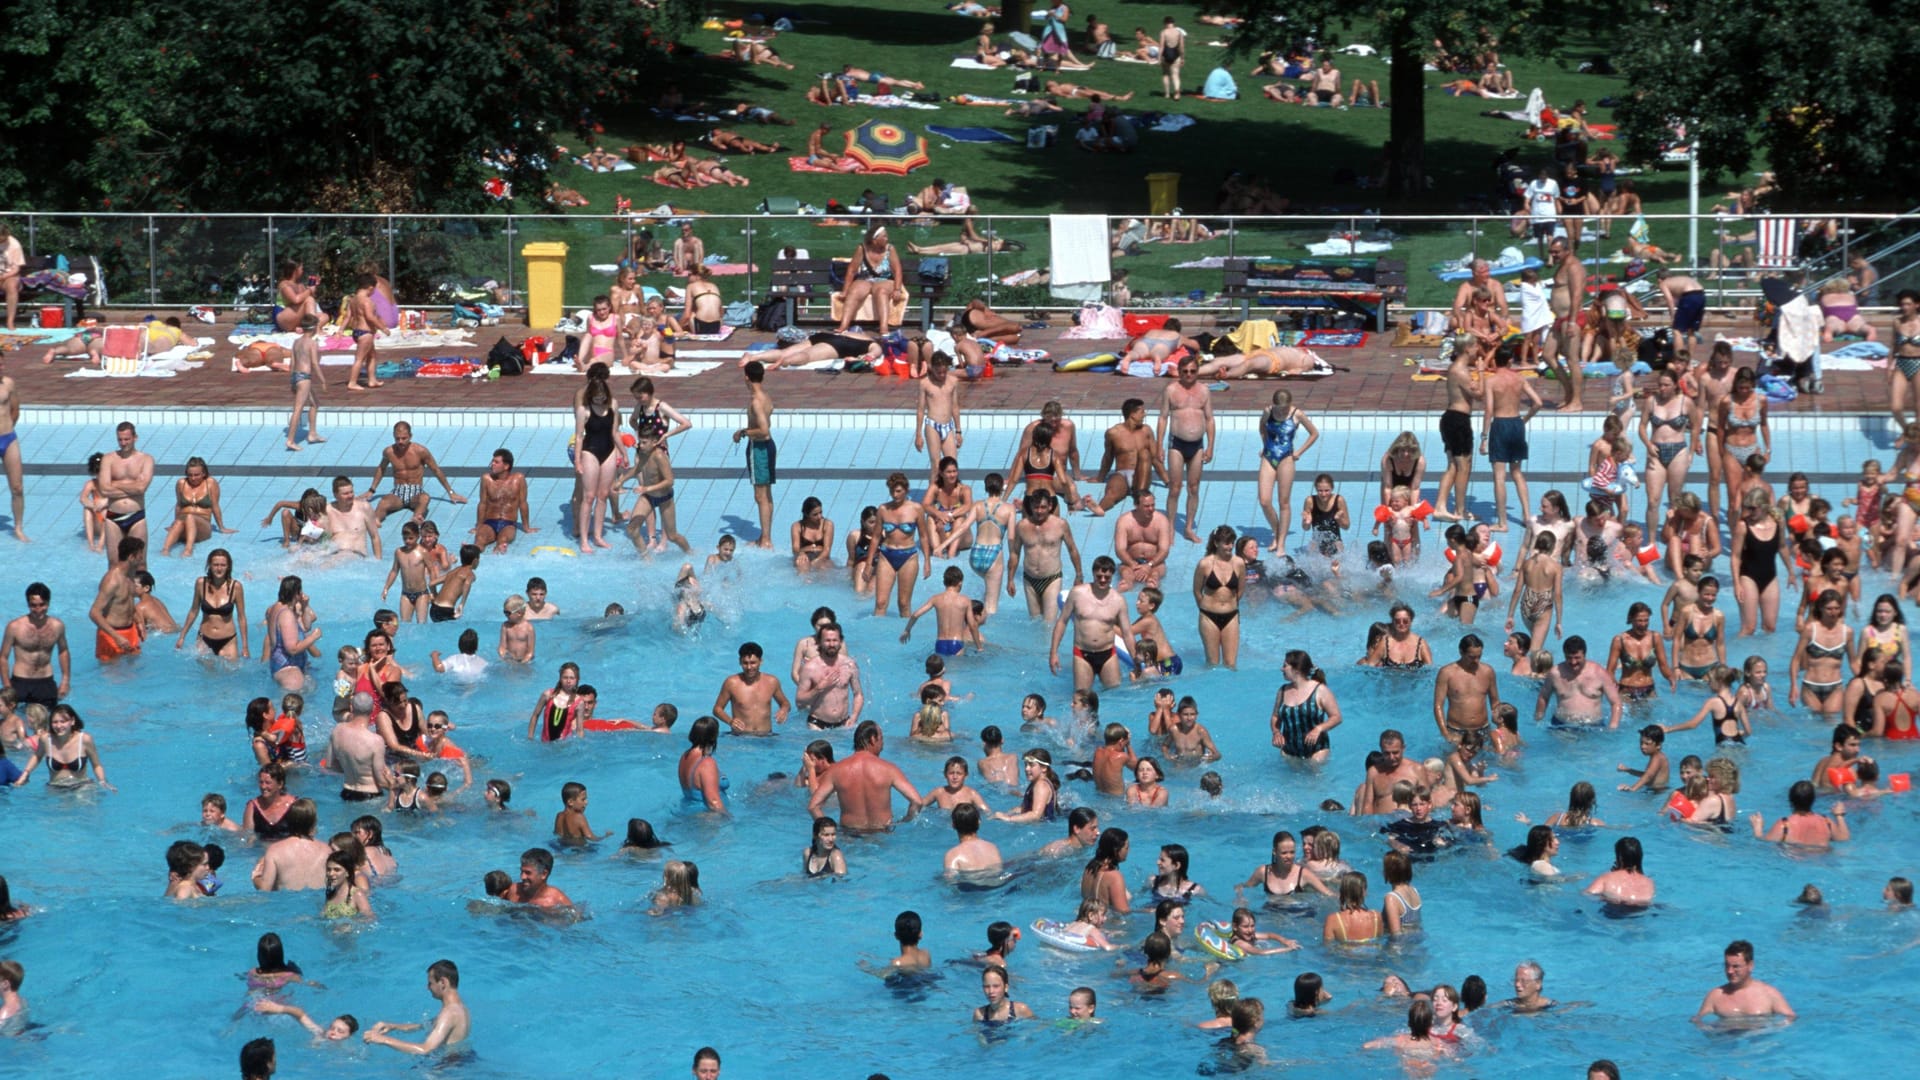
[935, 270]
[506, 358]
[771, 315]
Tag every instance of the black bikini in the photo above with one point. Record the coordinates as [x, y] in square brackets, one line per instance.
[1222, 619]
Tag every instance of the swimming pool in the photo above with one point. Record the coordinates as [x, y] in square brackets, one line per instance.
[766, 970]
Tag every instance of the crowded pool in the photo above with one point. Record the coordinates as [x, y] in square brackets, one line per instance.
[768, 970]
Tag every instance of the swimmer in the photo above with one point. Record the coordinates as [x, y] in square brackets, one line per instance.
[1742, 995]
[570, 824]
[450, 1026]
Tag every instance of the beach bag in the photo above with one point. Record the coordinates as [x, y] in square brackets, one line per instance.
[935, 270]
[738, 313]
[770, 316]
[506, 358]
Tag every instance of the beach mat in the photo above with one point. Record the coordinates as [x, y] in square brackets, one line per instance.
[1333, 339]
[969, 134]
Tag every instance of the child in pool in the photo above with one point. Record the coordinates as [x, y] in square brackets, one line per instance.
[722, 553]
[1653, 775]
[1154, 974]
[213, 813]
[956, 790]
[1160, 719]
[997, 766]
[1754, 692]
[93, 506]
[906, 931]
[570, 824]
[1088, 924]
[1033, 714]
[1221, 994]
[1247, 936]
[932, 723]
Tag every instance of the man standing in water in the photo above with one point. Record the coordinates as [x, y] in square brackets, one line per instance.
[115, 607]
[865, 785]
[410, 462]
[125, 476]
[30, 642]
[1099, 615]
[350, 522]
[1504, 438]
[10, 451]
[1456, 431]
[828, 689]
[296, 861]
[1037, 538]
[1465, 693]
[449, 1028]
[503, 504]
[1186, 428]
[762, 456]
[1581, 685]
[1742, 994]
[750, 696]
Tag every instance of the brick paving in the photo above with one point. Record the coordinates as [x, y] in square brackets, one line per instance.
[1378, 381]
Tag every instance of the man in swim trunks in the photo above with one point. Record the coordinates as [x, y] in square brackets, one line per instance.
[450, 598]
[296, 861]
[10, 451]
[350, 520]
[503, 504]
[751, 696]
[1581, 686]
[364, 323]
[1456, 434]
[262, 354]
[938, 410]
[828, 689]
[1568, 300]
[115, 611]
[1742, 994]
[1687, 299]
[1131, 450]
[1465, 693]
[953, 616]
[1186, 428]
[30, 642]
[762, 454]
[1323, 85]
[1098, 615]
[410, 462]
[1037, 538]
[450, 1026]
[864, 785]
[359, 753]
[1142, 540]
[1504, 437]
[125, 476]
[1376, 790]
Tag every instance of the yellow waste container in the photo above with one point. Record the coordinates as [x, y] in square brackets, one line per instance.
[1163, 193]
[546, 283]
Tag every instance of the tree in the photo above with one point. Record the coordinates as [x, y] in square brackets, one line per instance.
[1406, 31]
[1816, 87]
[371, 105]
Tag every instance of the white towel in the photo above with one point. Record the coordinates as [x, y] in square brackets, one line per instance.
[968, 63]
[1080, 251]
[1799, 330]
[1536, 101]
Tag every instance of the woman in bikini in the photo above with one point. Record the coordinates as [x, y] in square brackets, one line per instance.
[873, 272]
[1896, 707]
[1699, 632]
[1741, 421]
[1903, 372]
[1802, 827]
[68, 750]
[1819, 667]
[295, 297]
[812, 537]
[1840, 307]
[1170, 880]
[220, 603]
[1216, 592]
[377, 666]
[1636, 652]
[1669, 429]
[901, 549]
[1690, 531]
[1102, 879]
[1537, 598]
[196, 508]
[1399, 649]
[1757, 555]
[1354, 922]
[1887, 631]
[823, 856]
[603, 336]
[1280, 426]
[594, 459]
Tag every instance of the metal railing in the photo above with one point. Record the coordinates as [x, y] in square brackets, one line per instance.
[152, 261]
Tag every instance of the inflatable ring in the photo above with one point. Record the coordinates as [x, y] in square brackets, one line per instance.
[1054, 934]
[1217, 938]
[568, 552]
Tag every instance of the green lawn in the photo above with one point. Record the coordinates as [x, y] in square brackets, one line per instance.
[1299, 149]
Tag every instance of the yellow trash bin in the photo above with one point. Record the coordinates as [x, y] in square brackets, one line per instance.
[1163, 193]
[546, 283]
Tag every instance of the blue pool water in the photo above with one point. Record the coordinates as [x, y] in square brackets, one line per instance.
[766, 971]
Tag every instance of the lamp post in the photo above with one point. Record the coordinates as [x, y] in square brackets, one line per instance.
[1693, 185]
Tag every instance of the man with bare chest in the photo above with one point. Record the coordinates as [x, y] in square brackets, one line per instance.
[503, 504]
[1186, 427]
[1098, 614]
[1142, 540]
[750, 697]
[864, 785]
[1465, 693]
[115, 611]
[1568, 300]
[1037, 539]
[1131, 451]
[125, 476]
[828, 690]
[410, 462]
[350, 521]
[29, 643]
[1504, 438]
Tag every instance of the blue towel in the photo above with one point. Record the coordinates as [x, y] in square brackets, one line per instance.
[1862, 350]
[969, 134]
[1219, 84]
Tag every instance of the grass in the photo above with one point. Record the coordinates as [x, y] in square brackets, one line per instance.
[1303, 151]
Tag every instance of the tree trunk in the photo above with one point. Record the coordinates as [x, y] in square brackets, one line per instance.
[1406, 165]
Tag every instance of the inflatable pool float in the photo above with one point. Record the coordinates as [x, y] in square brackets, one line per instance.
[1054, 934]
[568, 552]
[1100, 361]
[1217, 938]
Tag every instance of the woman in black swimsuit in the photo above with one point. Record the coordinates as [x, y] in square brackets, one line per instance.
[220, 622]
[811, 537]
[594, 459]
[823, 856]
[1326, 517]
[264, 812]
[1757, 554]
[860, 544]
[1399, 649]
[1403, 465]
[67, 750]
[1283, 876]
[1216, 592]
[402, 725]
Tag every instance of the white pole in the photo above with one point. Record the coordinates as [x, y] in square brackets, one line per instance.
[1693, 186]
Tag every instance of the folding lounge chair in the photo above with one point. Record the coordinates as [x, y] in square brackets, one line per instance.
[123, 350]
[1778, 243]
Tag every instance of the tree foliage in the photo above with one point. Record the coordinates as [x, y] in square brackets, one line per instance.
[370, 105]
[1405, 31]
[1821, 89]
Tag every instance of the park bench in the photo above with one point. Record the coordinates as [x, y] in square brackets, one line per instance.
[796, 279]
[1358, 286]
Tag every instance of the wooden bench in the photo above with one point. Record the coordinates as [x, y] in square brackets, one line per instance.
[1367, 299]
[796, 279]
